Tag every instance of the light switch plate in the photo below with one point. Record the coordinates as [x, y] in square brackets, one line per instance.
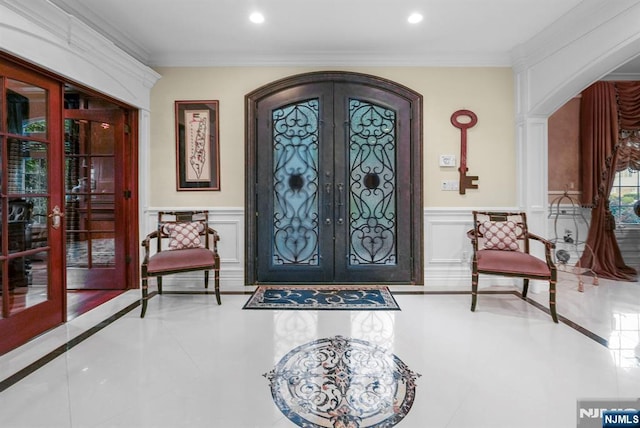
[447, 160]
[450, 185]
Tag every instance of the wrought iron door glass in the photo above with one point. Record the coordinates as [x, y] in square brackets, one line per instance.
[372, 183]
[295, 184]
[334, 174]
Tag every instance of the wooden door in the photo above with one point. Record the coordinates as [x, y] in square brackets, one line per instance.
[336, 177]
[95, 197]
[53, 137]
[31, 205]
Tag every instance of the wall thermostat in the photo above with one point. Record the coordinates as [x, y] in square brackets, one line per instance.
[447, 160]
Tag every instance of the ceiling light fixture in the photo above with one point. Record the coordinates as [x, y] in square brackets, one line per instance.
[256, 18]
[414, 18]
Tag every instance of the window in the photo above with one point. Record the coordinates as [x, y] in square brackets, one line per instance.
[624, 194]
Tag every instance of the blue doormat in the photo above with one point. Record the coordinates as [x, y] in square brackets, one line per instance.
[306, 297]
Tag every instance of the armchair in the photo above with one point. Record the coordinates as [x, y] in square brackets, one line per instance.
[500, 243]
[184, 242]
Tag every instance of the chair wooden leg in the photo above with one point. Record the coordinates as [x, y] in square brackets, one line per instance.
[216, 280]
[552, 299]
[145, 296]
[474, 290]
[159, 279]
[525, 287]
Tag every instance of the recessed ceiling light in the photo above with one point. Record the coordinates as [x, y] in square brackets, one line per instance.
[414, 18]
[256, 18]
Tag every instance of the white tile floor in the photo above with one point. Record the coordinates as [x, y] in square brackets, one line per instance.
[192, 363]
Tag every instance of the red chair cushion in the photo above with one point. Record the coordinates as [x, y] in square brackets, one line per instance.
[180, 260]
[512, 263]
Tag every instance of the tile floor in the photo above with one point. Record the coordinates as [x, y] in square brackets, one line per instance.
[192, 363]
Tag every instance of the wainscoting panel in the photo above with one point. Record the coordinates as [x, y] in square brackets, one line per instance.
[229, 222]
[447, 249]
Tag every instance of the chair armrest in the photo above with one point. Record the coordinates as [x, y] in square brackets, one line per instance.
[146, 243]
[548, 246]
[546, 242]
[215, 236]
[472, 234]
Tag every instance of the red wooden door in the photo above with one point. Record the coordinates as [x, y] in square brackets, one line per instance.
[31, 205]
[95, 198]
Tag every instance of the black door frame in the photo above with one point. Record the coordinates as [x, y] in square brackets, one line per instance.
[251, 153]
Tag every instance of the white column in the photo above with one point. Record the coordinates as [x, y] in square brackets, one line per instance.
[532, 171]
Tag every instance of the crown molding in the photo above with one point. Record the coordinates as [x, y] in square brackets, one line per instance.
[578, 23]
[73, 50]
[122, 40]
[428, 59]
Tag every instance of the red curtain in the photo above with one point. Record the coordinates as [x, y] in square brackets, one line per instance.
[600, 124]
[629, 124]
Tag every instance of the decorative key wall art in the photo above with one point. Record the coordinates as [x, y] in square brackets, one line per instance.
[466, 181]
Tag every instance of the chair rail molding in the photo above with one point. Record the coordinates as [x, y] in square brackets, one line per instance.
[447, 249]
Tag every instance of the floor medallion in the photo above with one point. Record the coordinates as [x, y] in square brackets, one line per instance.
[338, 382]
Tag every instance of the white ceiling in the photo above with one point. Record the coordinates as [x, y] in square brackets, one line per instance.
[320, 32]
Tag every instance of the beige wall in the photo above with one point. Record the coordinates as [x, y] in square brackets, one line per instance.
[488, 92]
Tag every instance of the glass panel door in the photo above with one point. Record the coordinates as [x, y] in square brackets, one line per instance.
[67, 199]
[26, 221]
[95, 259]
[294, 201]
[31, 280]
[373, 155]
[334, 195]
[25, 198]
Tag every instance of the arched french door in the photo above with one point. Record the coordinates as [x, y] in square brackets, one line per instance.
[334, 181]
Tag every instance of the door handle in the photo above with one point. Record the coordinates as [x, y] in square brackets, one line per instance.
[340, 204]
[327, 189]
[56, 217]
